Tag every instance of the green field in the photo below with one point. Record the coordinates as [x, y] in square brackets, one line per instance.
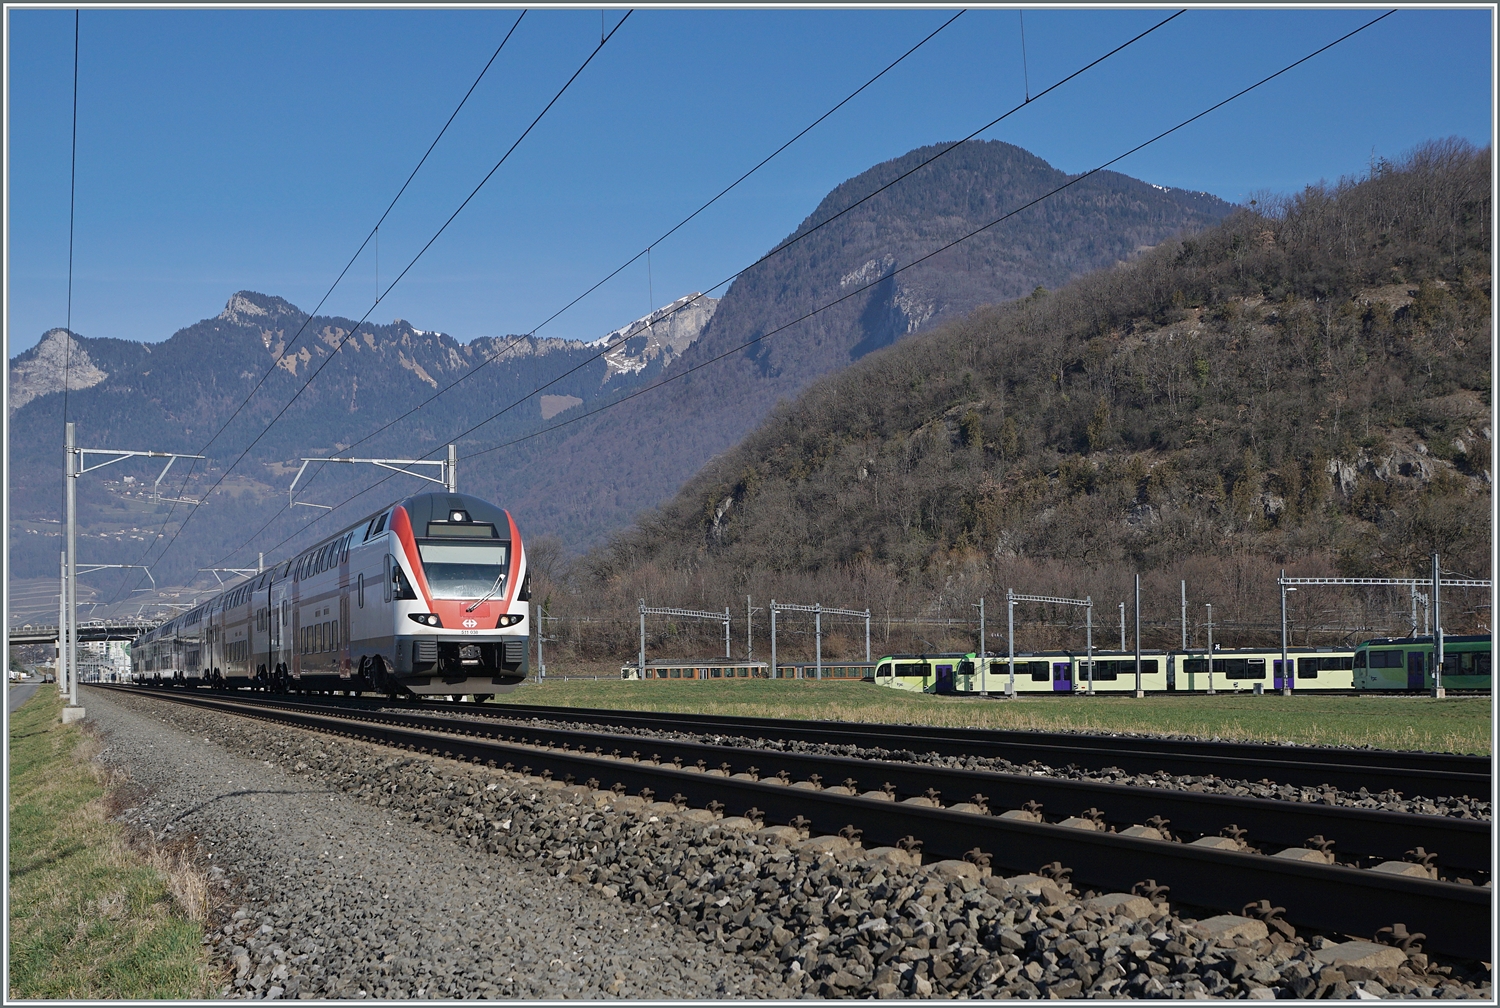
[1385, 722]
[90, 917]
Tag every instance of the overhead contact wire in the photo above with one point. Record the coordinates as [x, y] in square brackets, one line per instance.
[290, 344]
[507, 347]
[646, 251]
[327, 360]
[971, 234]
[780, 248]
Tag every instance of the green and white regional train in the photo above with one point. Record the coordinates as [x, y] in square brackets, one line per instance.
[1402, 664]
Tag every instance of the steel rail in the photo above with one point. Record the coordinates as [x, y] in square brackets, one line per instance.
[1456, 918]
[1411, 773]
[1374, 834]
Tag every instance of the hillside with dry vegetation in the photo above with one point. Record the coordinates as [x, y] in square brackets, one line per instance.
[1305, 385]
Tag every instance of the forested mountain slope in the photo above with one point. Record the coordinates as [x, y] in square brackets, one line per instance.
[1305, 384]
[595, 476]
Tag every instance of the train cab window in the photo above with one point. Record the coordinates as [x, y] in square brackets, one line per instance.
[1361, 659]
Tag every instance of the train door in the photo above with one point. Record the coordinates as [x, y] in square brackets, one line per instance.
[944, 682]
[346, 668]
[260, 636]
[1416, 670]
[1284, 679]
[1062, 676]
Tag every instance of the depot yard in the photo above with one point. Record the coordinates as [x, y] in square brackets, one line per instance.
[1454, 724]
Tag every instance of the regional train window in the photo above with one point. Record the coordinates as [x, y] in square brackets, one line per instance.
[1241, 668]
[1307, 668]
[1481, 663]
[334, 637]
[465, 570]
[912, 669]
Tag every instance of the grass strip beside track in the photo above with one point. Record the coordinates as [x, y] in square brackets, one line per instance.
[1460, 725]
[90, 917]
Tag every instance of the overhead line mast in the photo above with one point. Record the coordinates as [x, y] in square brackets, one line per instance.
[327, 360]
[916, 262]
[375, 231]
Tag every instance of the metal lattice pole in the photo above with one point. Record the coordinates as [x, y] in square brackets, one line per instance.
[1286, 671]
[1140, 690]
[1437, 630]
[1088, 622]
[775, 672]
[1010, 637]
[71, 475]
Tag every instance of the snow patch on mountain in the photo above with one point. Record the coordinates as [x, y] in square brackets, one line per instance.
[664, 334]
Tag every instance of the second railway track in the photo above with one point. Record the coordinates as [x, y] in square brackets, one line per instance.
[1333, 897]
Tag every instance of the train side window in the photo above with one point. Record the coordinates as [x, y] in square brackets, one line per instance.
[1481, 663]
[361, 591]
[1361, 659]
[389, 580]
[334, 637]
[1307, 668]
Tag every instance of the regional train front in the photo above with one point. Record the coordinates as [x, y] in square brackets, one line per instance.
[458, 586]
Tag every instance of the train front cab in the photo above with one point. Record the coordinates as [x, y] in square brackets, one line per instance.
[1405, 664]
[943, 674]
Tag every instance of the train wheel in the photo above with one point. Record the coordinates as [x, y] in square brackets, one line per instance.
[482, 697]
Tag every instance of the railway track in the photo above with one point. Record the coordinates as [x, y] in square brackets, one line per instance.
[798, 788]
[1410, 773]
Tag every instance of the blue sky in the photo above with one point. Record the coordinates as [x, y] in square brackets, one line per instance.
[221, 150]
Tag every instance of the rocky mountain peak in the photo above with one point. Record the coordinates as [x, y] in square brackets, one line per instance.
[665, 333]
[42, 371]
[252, 308]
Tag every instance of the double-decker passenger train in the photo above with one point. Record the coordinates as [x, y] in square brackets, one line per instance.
[427, 596]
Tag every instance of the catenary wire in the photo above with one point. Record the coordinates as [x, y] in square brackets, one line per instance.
[780, 248]
[290, 344]
[805, 234]
[1079, 178]
[918, 261]
[785, 245]
[398, 279]
[647, 250]
[502, 351]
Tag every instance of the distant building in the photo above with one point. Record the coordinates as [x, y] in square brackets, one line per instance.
[104, 661]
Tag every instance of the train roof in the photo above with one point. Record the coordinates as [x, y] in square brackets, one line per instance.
[1447, 639]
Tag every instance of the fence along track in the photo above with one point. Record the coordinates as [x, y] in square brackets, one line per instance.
[1455, 918]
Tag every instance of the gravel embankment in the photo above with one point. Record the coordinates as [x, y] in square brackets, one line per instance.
[443, 861]
[1457, 806]
[342, 898]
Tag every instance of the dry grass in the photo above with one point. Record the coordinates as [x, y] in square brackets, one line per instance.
[91, 917]
[1384, 722]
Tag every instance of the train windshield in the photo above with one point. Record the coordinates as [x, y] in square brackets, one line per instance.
[465, 571]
